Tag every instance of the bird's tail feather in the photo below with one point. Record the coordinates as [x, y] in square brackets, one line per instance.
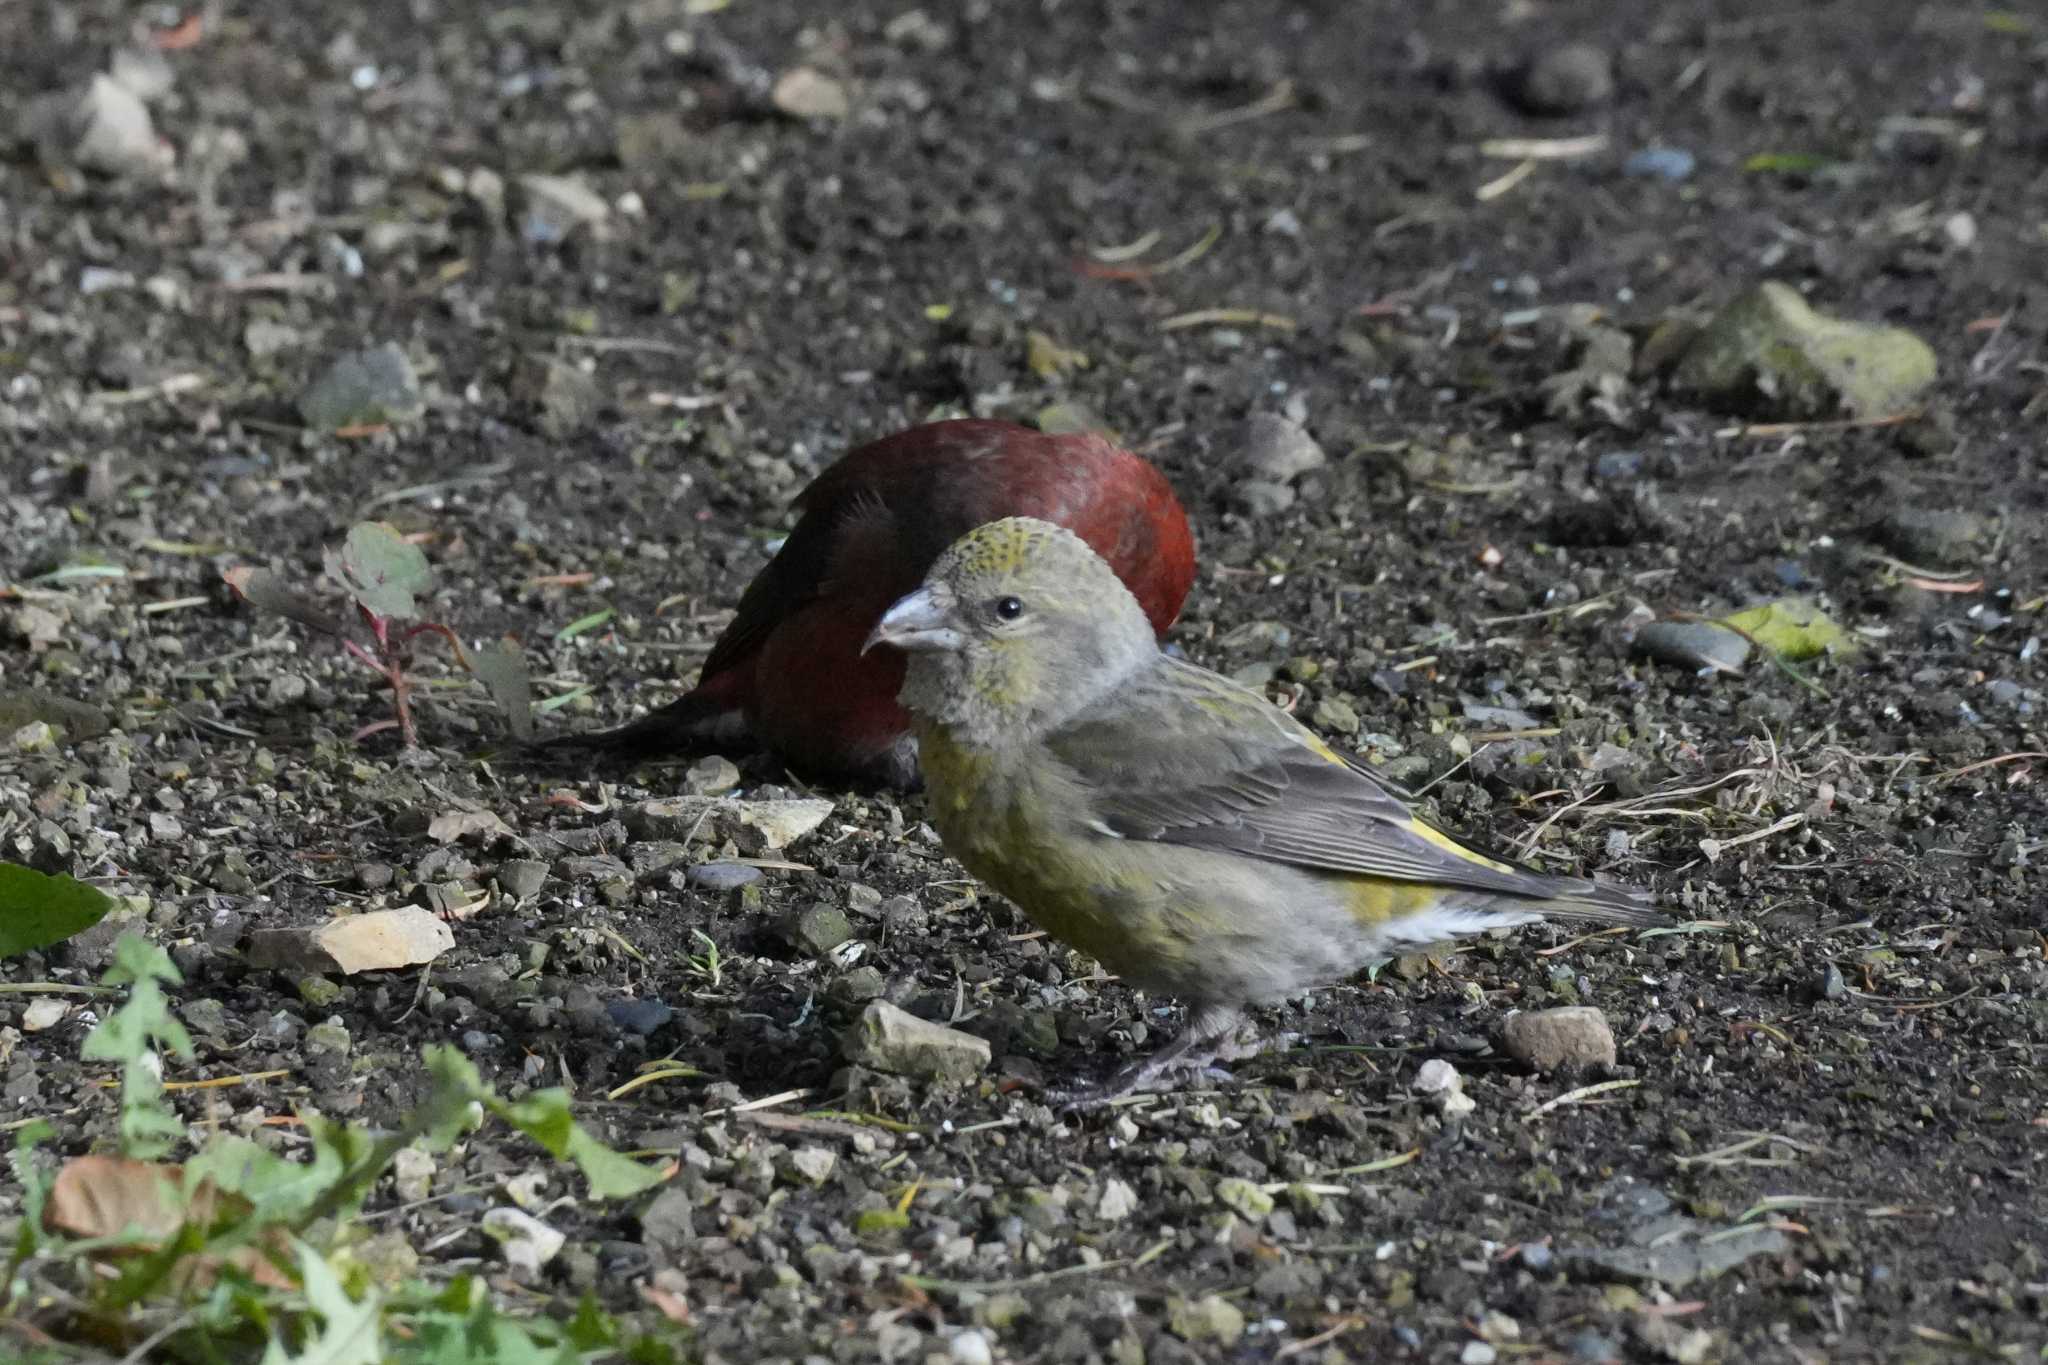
[1600, 902]
[692, 723]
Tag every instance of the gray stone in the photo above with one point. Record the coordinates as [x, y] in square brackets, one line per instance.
[1329, 713]
[522, 878]
[894, 1040]
[1675, 1252]
[817, 929]
[568, 398]
[668, 1223]
[722, 876]
[1568, 1037]
[554, 206]
[754, 825]
[804, 92]
[1934, 536]
[1700, 645]
[1262, 497]
[712, 775]
[363, 388]
[1564, 80]
[1277, 450]
[378, 939]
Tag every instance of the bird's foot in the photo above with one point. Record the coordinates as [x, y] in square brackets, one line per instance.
[1212, 1036]
[896, 768]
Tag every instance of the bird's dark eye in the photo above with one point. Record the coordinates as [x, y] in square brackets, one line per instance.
[1009, 608]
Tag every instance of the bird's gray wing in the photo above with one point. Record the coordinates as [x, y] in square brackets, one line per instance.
[1184, 756]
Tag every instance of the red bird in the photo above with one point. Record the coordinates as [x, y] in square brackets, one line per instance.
[788, 673]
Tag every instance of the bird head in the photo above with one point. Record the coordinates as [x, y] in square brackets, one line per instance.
[1018, 626]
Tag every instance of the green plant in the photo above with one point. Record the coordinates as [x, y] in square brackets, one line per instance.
[384, 574]
[242, 1254]
[707, 964]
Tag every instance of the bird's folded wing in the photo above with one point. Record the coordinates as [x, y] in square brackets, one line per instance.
[1187, 757]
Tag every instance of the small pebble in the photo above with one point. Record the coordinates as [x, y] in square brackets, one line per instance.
[1618, 464]
[640, 1017]
[1699, 645]
[96, 279]
[722, 876]
[521, 878]
[1262, 497]
[1478, 1353]
[1791, 573]
[971, 1347]
[1278, 450]
[1567, 1037]
[1436, 1076]
[1563, 80]
[1537, 1256]
[1590, 1346]
[1660, 163]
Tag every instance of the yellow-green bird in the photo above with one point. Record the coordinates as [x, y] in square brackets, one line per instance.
[1182, 830]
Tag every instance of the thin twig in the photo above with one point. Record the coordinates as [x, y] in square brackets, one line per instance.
[1574, 1096]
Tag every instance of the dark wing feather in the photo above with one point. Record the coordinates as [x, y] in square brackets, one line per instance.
[1238, 775]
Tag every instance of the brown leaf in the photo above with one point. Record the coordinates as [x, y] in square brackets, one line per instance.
[109, 1196]
[451, 825]
[101, 1196]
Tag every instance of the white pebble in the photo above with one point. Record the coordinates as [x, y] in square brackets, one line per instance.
[971, 1347]
[1437, 1075]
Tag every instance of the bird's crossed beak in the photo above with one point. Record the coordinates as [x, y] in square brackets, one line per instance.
[920, 623]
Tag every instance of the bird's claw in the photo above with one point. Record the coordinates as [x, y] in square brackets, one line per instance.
[1195, 1054]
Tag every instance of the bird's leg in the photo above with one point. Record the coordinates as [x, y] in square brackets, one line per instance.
[897, 768]
[1210, 1037]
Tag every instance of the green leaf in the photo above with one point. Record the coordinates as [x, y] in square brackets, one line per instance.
[130, 1036]
[562, 699]
[447, 1115]
[352, 1331]
[382, 570]
[37, 910]
[1792, 628]
[543, 1116]
[585, 623]
[1787, 163]
[34, 1183]
[137, 960]
[483, 1336]
[279, 1189]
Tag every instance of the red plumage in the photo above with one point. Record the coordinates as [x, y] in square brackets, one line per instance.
[788, 674]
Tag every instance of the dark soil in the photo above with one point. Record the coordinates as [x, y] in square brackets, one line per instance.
[1855, 846]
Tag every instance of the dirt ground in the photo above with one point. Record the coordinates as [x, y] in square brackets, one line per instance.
[1831, 1084]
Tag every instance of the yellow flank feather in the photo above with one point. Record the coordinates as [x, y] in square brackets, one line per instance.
[1453, 847]
[1376, 900]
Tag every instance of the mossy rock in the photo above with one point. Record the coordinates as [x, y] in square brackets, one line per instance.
[1770, 354]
